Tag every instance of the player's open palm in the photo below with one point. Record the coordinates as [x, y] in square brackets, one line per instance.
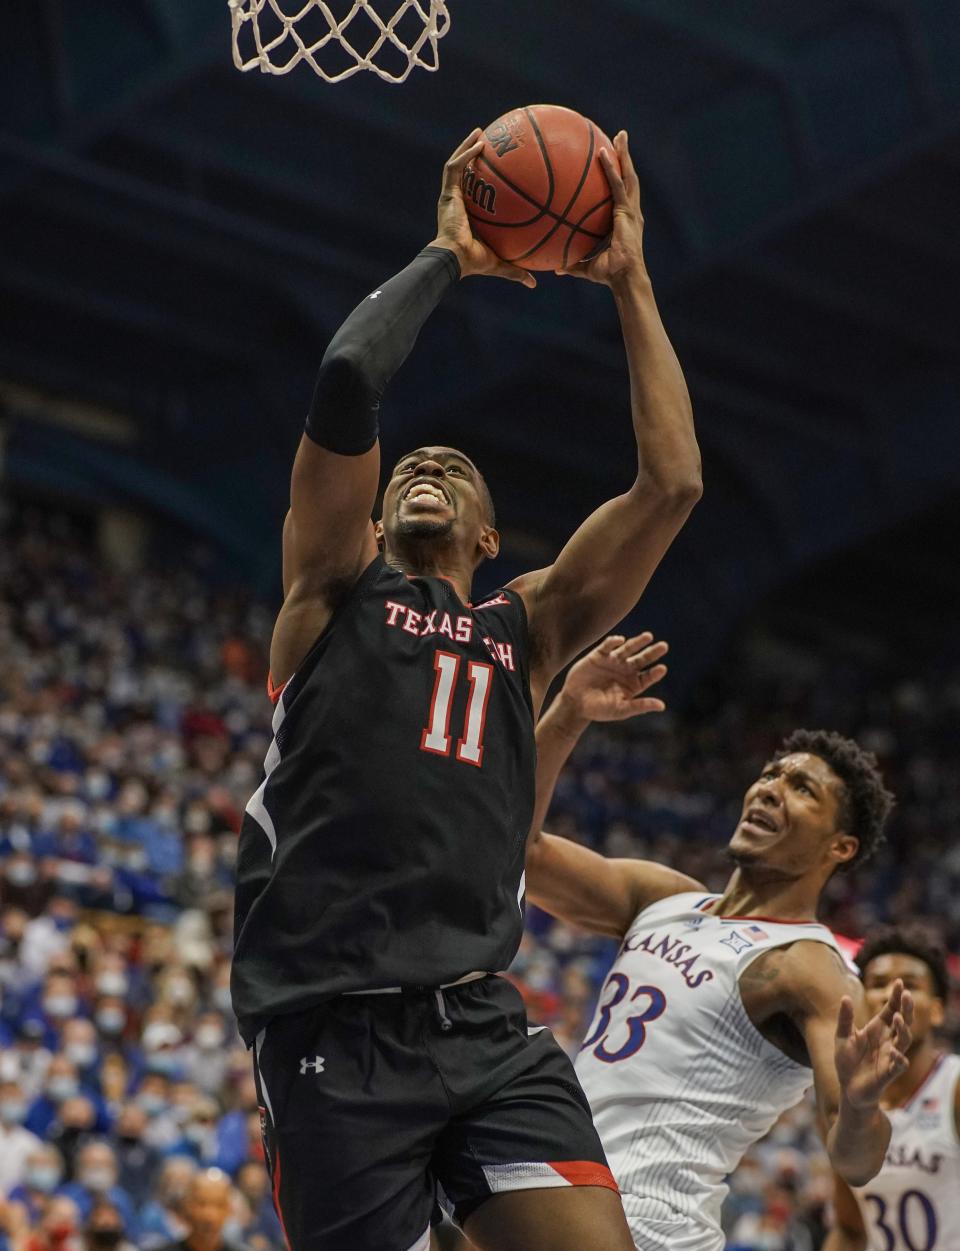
[624, 254]
[610, 682]
[453, 224]
[869, 1059]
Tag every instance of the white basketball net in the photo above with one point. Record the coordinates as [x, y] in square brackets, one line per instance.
[274, 36]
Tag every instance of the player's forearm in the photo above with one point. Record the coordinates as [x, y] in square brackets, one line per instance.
[558, 731]
[857, 1142]
[370, 347]
[840, 1238]
[668, 455]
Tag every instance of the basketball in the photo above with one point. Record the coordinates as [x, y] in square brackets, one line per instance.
[537, 193]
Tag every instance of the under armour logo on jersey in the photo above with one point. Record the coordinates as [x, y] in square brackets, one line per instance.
[316, 1065]
[376, 295]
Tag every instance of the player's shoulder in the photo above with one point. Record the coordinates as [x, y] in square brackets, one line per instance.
[658, 892]
[813, 966]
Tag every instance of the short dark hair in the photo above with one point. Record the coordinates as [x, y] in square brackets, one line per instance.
[908, 940]
[866, 802]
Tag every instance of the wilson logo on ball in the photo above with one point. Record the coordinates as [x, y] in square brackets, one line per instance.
[483, 194]
[501, 138]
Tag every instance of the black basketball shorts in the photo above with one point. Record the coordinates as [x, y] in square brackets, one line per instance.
[376, 1107]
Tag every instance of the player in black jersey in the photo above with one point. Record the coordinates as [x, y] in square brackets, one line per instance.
[380, 872]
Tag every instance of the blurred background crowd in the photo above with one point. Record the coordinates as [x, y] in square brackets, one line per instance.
[133, 726]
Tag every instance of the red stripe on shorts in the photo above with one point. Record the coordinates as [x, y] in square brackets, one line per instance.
[276, 1195]
[585, 1173]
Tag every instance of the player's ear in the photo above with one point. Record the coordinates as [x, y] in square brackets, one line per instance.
[843, 848]
[490, 543]
[378, 535]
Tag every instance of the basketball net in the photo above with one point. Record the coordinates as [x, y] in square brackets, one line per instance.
[275, 41]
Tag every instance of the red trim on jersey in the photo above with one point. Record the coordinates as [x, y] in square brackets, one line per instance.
[941, 1056]
[274, 692]
[769, 920]
[585, 1173]
[276, 1194]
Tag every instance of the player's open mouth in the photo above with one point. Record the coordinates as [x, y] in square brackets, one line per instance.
[425, 493]
[760, 821]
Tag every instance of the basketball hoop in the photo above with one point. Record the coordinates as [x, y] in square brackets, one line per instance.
[275, 36]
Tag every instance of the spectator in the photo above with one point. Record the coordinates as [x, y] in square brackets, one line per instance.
[42, 1174]
[75, 1121]
[104, 1229]
[137, 1161]
[253, 1182]
[161, 1221]
[96, 1177]
[16, 1143]
[206, 1212]
[57, 1230]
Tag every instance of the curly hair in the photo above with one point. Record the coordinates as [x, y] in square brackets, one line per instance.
[866, 802]
[911, 940]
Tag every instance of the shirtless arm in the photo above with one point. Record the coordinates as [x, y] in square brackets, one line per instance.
[602, 571]
[853, 1059]
[847, 1232]
[565, 879]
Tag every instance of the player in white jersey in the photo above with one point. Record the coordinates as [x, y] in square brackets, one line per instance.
[913, 1203]
[720, 1010]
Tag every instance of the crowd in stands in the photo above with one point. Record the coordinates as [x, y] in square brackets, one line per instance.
[133, 727]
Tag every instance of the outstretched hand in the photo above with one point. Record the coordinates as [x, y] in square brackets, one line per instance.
[610, 682]
[624, 254]
[869, 1059]
[453, 224]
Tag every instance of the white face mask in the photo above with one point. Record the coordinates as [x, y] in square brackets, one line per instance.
[60, 1088]
[111, 1020]
[21, 874]
[60, 1006]
[83, 1055]
[113, 983]
[209, 1037]
[13, 1111]
[97, 1178]
[179, 991]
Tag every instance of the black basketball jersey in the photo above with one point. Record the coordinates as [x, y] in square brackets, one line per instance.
[385, 846]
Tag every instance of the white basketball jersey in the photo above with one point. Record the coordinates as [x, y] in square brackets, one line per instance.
[680, 1080]
[913, 1204]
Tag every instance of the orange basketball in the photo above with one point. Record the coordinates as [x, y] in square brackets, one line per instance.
[537, 193]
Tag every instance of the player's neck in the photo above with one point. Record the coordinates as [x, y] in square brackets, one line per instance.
[923, 1060]
[433, 563]
[752, 894]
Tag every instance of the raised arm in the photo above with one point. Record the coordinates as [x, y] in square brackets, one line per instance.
[565, 879]
[602, 571]
[852, 1063]
[328, 536]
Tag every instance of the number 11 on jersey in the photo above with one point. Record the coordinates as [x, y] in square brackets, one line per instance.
[436, 736]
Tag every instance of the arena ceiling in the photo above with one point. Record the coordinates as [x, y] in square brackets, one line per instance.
[180, 240]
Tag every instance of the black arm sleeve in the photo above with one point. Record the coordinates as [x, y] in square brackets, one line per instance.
[370, 347]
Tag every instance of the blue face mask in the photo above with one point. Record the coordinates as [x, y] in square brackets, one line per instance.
[151, 1103]
[13, 1111]
[43, 1177]
[166, 1062]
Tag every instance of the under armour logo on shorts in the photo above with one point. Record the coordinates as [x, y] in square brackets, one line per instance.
[316, 1065]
